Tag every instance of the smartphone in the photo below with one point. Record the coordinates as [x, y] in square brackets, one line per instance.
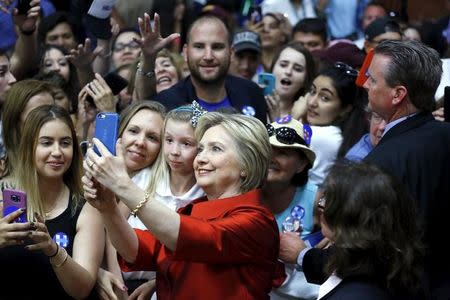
[115, 82]
[313, 239]
[447, 104]
[255, 14]
[14, 200]
[106, 130]
[267, 80]
[23, 6]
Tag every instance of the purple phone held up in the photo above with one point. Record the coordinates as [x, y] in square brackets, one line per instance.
[106, 130]
[14, 200]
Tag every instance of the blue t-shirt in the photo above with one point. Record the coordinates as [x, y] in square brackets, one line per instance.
[304, 196]
[7, 32]
[214, 106]
[360, 149]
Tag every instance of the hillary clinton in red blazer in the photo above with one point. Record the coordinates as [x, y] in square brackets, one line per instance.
[223, 246]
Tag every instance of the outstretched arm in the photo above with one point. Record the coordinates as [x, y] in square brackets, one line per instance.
[151, 42]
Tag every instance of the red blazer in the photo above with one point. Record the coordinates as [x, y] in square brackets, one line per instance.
[226, 249]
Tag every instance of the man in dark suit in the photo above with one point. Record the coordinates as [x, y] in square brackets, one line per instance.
[402, 79]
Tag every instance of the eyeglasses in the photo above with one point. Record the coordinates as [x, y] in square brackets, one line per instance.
[121, 46]
[346, 69]
[375, 118]
[321, 203]
[285, 135]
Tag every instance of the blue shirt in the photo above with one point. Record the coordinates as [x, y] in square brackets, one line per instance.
[304, 196]
[7, 32]
[360, 149]
[214, 106]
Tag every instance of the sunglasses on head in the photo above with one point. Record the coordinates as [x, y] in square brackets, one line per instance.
[285, 135]
[346, 69]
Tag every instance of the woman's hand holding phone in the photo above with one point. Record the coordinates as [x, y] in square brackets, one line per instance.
[41, 238]
[11, 233]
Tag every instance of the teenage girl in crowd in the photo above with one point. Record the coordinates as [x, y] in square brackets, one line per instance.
[294, 71]
[334, 107]
[56, 253]
[23, 97]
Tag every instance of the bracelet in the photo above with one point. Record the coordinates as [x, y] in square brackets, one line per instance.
[141, 72]
[139, 206]
[64, 259]
[56, 252]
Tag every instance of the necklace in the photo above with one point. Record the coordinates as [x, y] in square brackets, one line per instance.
[57, 204]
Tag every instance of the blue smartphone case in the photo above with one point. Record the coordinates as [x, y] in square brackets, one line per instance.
[106, 130]
[268, 81]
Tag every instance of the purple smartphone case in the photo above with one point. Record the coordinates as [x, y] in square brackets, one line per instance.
[14, 200]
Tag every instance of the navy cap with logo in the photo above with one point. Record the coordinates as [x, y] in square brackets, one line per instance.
[246, 40]
[380, 26]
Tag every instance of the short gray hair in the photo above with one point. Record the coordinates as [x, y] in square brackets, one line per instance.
[415, 66]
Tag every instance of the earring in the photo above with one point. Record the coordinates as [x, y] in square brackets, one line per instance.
[243, 174]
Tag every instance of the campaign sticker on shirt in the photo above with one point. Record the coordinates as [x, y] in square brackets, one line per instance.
[284, 120]
[61, 239]
[248, 110]
[307, 133]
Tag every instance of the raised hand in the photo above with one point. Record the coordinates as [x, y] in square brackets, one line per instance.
[151, 41]
[83, 55]
[27, 23]
[102, 94]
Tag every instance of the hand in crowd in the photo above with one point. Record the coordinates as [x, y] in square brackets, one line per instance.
[83, 55]
[290, 247]
[151, 41]
[12, 234]
[107, 169]
[102, 94]
[273, 106]
[299, 109]
[41, 238]
[257, 27]
[28, 22]
[144, 291]
[438, 114]
[86, 114]
[107, 285]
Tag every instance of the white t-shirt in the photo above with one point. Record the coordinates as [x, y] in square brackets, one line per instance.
[325, 142]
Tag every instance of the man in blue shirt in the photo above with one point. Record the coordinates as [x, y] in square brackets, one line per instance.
[208, 52]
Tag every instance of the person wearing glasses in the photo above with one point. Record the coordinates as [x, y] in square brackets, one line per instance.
[286, 190]
[369, 140]
[125, 50]
[378, 255]
[335, 110]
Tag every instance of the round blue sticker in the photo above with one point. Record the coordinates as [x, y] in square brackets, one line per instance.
[61, 239]
[248, 110]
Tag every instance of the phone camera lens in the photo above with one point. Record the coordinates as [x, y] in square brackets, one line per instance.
[15, 198]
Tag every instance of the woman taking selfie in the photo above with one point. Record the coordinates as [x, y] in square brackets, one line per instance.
[230, 241]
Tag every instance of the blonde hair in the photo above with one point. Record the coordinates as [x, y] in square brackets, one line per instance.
[252, 144]
[25, 175]
[161, 169]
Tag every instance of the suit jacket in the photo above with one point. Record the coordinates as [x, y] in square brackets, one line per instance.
[245, 96]
[226, 249]
[417, 151]
[357, 289]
